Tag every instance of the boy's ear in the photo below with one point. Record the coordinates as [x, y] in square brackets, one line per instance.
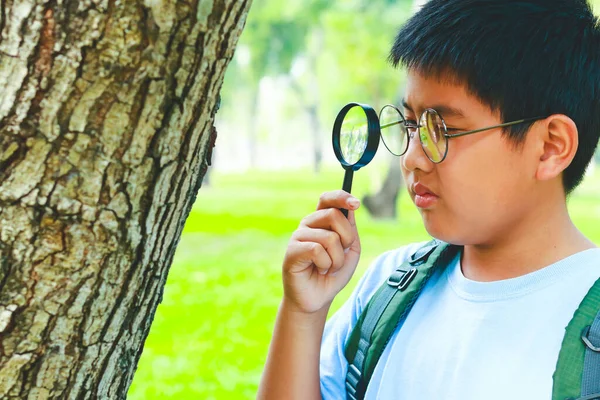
[558, 142]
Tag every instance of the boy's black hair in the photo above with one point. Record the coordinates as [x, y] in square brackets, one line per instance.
[522, 58]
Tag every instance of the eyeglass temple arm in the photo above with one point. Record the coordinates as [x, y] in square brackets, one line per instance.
[453, 135]
[391, 124]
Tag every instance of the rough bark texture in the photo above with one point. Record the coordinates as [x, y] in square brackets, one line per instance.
[106, 129]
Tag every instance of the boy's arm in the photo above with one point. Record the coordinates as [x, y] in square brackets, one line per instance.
[320, 259]
[292, 368]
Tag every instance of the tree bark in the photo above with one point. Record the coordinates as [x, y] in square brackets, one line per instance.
[106, 130]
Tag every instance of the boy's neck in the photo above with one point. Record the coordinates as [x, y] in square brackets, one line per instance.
[546, 237]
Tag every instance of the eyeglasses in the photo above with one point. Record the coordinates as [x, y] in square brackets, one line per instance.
[432, 131]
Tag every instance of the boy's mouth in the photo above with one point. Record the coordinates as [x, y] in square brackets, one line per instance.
[423, 196]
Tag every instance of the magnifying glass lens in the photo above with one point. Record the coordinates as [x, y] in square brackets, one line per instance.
[355, 139]
[393, 130]
[354, 135]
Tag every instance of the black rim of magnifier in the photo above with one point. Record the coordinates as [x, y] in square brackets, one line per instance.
[373, 135]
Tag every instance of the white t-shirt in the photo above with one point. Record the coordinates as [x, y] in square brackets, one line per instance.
[464, 339]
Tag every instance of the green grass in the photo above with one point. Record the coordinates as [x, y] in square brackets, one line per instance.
[210, 335]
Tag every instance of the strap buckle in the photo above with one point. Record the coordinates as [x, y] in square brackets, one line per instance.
[585, 337]
[421, 255]
[352, 381]
[401, 279]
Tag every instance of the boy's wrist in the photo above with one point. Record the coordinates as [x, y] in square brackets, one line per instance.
[288, 307]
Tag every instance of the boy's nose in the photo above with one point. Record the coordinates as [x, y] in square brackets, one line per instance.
[415, 157]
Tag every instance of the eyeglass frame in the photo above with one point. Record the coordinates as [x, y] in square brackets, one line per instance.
[446, 134]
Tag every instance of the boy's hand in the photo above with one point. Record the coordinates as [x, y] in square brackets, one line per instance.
[322, 253]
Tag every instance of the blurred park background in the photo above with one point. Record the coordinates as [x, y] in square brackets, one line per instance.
[297, 63]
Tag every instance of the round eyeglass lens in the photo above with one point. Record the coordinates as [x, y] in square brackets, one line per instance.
[354, 135]
[393, 130]
[432, 132]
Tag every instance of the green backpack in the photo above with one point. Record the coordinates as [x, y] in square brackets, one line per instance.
[577, 374]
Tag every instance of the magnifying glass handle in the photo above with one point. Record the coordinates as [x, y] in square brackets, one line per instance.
[347, 186]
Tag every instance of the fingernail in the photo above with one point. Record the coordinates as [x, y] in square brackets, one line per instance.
[323, 272]
[353, 202]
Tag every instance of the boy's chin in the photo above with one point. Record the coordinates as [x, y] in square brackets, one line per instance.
[444, 232]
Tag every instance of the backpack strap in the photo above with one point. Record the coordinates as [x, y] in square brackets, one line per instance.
[590, 381]
[577, 375]
[386, 309]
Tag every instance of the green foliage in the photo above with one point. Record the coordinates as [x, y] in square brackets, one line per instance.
[351, 65]
[275, 33]
[359, 39]
[210, 335]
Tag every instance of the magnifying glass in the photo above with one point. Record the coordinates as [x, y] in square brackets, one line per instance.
[356, 135]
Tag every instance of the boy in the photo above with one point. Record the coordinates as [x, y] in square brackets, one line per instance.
[490, 324]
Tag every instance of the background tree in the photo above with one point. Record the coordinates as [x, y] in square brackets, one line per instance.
[326, 53]
[106, 130]
[276, 33]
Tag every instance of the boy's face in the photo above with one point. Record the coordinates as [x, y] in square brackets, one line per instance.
[485, 187]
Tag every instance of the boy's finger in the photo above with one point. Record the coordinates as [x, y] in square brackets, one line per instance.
[313, 253]
[330, 241]
[331, 219]
[338, 199]
[352, 219]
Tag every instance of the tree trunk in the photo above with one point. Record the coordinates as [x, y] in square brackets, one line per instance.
[382, 205]
[253, 121]
[309, 98]
[106, 130]
[315, 127]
